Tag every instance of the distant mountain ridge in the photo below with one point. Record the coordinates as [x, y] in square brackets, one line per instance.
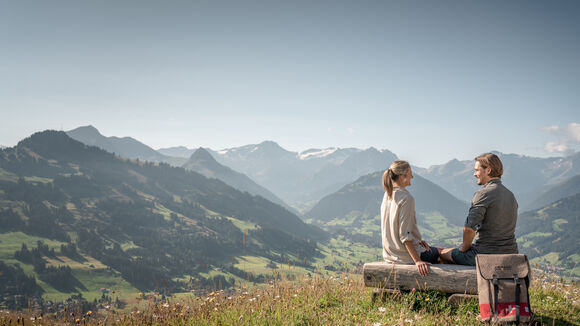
[301, 179]
[123, 146]
[178, 151]
[525, 176]
[564, 189]
[202, 162]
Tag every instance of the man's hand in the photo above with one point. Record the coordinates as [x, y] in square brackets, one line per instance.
[423, 267]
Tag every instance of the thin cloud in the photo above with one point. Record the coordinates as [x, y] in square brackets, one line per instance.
[568, 138]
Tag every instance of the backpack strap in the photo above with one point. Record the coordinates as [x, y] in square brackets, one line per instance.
[495, 296]
[518, 282]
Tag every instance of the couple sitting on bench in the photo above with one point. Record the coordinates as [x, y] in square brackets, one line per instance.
[491, 219]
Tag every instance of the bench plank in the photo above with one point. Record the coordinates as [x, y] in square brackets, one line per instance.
[444, 278]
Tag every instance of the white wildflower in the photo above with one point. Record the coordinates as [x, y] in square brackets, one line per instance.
[382, 309]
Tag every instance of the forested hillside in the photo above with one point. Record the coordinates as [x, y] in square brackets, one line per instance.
[149, 223]
[550, 235]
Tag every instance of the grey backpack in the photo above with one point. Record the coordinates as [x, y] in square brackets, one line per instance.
[502, 283]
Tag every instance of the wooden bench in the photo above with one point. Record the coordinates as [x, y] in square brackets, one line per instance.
[459, 281]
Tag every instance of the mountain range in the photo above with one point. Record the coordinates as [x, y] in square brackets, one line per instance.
[142, 218]
[202, 162]
[298, 179]
[525, 176]
[127, 147]
[301, 179]
[144, 222]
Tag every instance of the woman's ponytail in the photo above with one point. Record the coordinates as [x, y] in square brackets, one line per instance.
[396, 169]
[388, 182]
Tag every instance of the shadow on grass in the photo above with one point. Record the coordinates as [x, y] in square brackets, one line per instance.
[539, 319]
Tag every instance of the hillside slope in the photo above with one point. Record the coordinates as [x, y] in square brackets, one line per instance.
[550, 235]
[354, 210]
[145, 222]
[202, 162]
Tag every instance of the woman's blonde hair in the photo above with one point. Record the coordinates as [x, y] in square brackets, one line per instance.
[396, 169]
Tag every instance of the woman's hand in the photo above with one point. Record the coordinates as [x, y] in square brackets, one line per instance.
[424, 244]
[422, 267]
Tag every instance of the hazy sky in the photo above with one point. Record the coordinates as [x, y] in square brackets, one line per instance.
[428, 80]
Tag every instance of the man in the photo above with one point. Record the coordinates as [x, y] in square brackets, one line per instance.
[491, 219]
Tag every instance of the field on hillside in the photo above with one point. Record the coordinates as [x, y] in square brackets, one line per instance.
[337, 256]
[317, 300]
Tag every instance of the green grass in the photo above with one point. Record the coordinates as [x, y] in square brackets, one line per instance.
[437, 232]
[95, 279]
[551, 258]
[557, 225]
[320, 300]
[12, 241]
[8, 176]
[243, 225]
[257, 266]
[37, 180]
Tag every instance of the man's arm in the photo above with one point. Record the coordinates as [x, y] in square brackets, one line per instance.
[468, 235]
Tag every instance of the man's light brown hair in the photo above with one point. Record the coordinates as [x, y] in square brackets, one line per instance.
[490, 160]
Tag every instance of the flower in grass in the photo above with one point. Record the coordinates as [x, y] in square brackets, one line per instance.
[252, 299]
[377, 324]
[413, 290]
[382, 309]
[426, 299]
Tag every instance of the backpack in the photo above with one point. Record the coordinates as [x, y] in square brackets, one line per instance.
[503, 282]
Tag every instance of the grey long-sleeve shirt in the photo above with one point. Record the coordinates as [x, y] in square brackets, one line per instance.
[493, 215]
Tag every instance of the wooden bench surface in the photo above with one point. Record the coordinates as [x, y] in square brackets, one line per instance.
[442, 277]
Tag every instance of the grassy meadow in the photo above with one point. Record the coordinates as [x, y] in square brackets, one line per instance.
[316, 300]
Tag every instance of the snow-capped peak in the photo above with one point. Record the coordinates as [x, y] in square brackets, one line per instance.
[316, 153]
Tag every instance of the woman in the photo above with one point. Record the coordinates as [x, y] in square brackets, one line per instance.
[402, 241]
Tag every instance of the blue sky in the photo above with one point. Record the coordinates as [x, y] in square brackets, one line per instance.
[428, 80]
